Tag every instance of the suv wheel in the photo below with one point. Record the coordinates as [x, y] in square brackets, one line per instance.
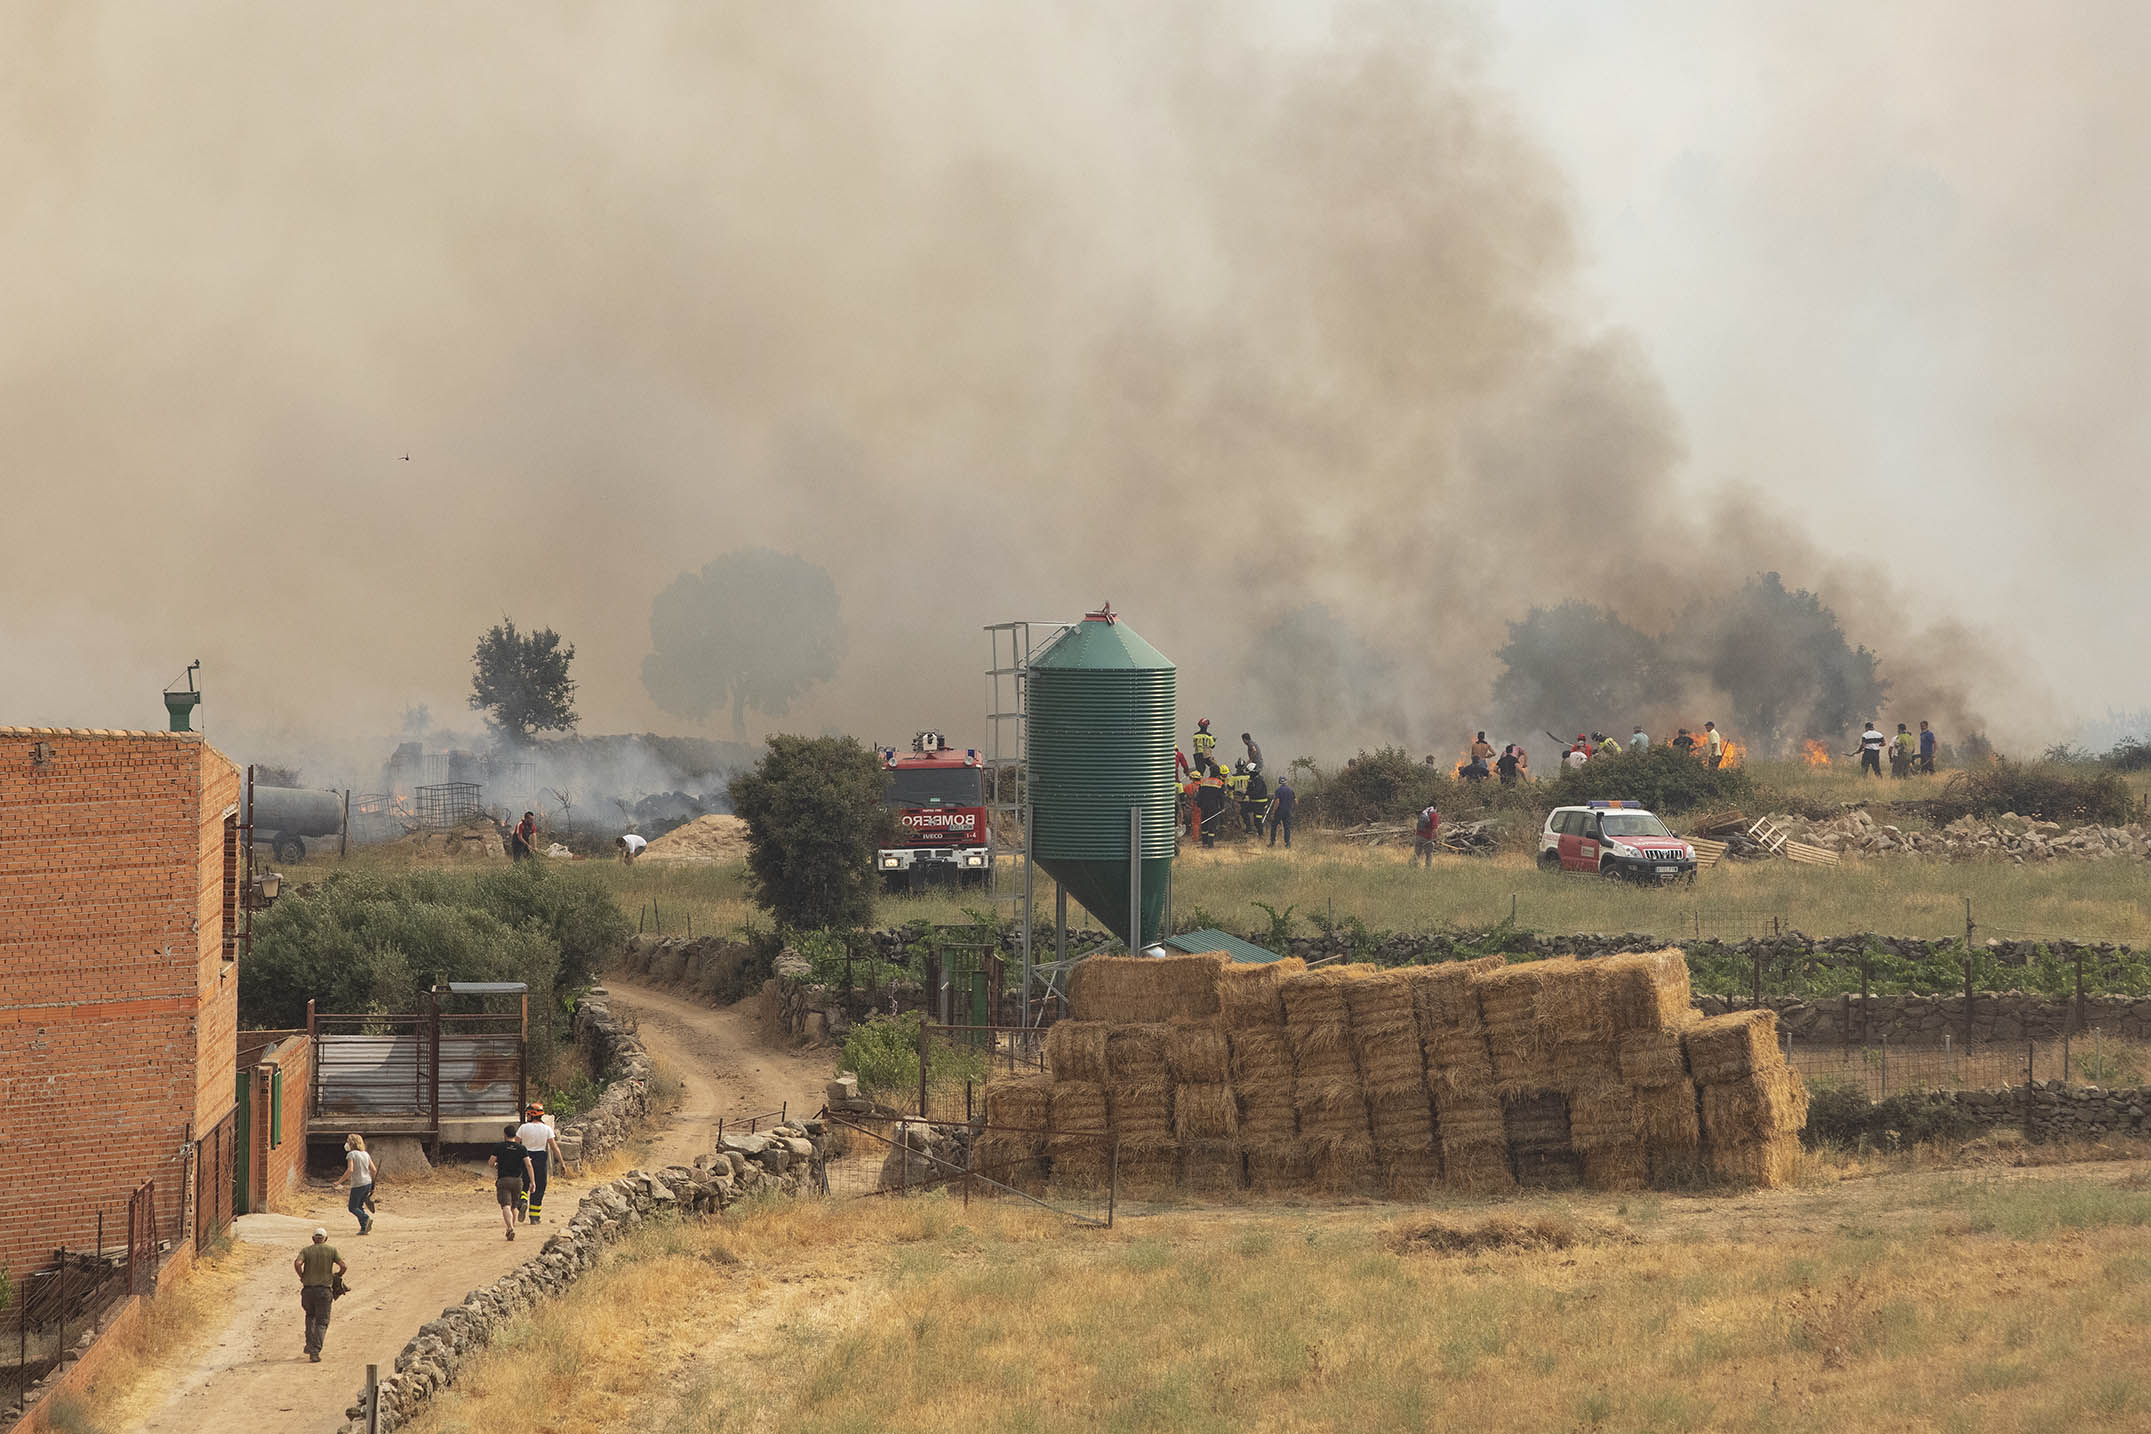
[1549, 861]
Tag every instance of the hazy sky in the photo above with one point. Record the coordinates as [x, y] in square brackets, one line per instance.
[1886, 261]
[1421, 313]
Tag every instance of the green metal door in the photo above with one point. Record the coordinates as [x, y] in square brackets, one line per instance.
[242, 1139]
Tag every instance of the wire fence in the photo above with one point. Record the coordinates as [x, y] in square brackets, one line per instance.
[1882, 1068]
[1072, 1174]
[49, 1309]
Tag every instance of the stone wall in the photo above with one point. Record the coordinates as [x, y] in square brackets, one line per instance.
[2046, 1110]
[1997, 1018]
[786, 1162]
[619, 1061]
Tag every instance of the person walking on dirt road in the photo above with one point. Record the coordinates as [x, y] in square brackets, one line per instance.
[359, 1175]
[538, 1143]
[318, 1267]
[511, 1169]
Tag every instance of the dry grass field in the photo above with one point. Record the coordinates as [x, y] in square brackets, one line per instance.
[1336, 880]
[1903, 1299]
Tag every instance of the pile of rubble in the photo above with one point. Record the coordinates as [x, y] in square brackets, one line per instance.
[2009, 836]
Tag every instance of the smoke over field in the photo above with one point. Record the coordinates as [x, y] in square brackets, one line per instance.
[1265, 332]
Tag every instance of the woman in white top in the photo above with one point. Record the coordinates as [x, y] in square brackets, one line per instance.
[358, 1173]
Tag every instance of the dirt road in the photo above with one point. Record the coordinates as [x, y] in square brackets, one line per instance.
[724, 1069]
[435, 1241]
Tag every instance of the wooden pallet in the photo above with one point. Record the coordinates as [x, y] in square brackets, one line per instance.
[1708, 853]
[1807, 855]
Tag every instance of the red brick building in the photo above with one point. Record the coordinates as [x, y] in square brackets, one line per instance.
[119, 981]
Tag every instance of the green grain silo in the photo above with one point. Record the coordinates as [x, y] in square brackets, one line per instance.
[1102, 714]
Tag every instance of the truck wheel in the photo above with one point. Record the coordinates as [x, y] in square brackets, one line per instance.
[290, 848]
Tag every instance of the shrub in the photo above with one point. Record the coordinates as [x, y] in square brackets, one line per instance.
[2130, 754]
[1839, 1113]
[883, 1052]
[2043, 790]
[814, 817]
[1661, 778]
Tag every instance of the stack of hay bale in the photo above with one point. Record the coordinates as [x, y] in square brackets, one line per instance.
[1252, 1011]
[1753, 1106]
[1012, 1148]
[1470, 1075]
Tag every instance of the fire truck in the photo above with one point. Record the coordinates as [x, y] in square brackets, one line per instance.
[939, 796]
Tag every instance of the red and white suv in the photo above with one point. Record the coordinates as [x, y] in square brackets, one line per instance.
[1613, 839]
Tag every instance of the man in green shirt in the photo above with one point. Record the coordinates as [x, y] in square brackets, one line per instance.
[318, 1266]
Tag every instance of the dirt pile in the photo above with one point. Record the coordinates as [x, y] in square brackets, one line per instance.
[718, 837]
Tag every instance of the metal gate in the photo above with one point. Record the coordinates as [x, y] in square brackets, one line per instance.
[213, 1181]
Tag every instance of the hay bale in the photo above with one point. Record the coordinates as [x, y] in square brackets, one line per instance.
[1722, 1049]
[1260, 1054]
[1316, 998]
[1267, 1111]
[1769, 1162]
[1651, 1057]
[1509, 1007]
[1577, 1064]
[1140, 1111]
[1197, 1052]
[1406, 1152]
[1540, 1145]
[1647, 989]
[1212, 1167]
[1603, 1117]
[1572, 1002]
[1477, 1168]
[1247, 992]
[1345, 1165]
[1136, 1053]
[1771, 1101]
[1469, 1118]
[1077, 1108]
[1389, 1053]
[1125, 990]
[1452, 1036]
[1618, 1167]
[1019, 1102]
[1276, 1167]
[1205, 1111]
[1318, 1024]
[1381, 997]
[1666, 1122]
[1075, 1050]
[1331, 1109]
[1149, 1168]
[1016, 1159]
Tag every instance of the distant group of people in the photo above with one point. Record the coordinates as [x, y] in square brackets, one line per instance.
[1512, 764]
[1908, 752]
[1211, 795]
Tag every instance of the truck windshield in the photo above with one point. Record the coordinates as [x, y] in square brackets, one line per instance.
[1625, 824]
[935, 786]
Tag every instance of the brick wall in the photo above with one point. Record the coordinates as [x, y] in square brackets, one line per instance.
[118, 1009]
[275, 1170]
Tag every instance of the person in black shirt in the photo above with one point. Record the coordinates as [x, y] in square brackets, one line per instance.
[511, 1170]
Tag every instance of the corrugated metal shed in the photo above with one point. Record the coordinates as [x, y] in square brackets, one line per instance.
[1189, 943]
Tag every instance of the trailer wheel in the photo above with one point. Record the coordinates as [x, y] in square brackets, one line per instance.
[290, 848]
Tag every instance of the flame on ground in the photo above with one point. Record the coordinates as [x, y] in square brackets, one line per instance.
[1735, 754]
[1816, 754]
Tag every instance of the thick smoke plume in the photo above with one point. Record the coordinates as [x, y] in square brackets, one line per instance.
[345, 329]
